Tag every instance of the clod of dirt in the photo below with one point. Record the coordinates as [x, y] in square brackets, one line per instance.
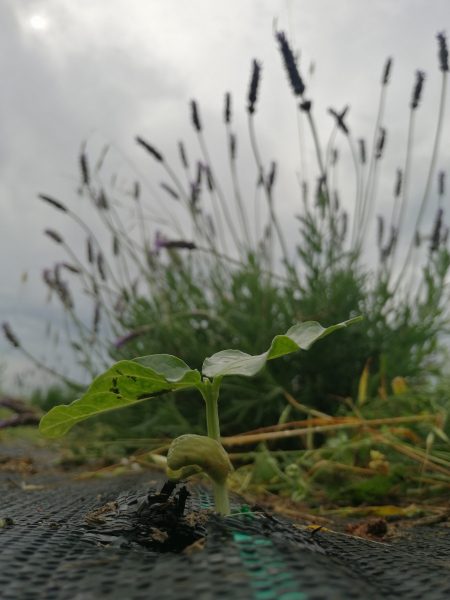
[23, 465]
[6, 522]
[370, 528]
[157, 521]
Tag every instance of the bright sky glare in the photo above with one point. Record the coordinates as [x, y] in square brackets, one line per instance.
[38, 22]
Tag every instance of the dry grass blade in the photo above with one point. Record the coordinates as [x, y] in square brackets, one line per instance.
[318, 425]
[421, 456]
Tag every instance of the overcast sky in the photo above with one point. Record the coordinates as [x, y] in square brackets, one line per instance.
[104, 71]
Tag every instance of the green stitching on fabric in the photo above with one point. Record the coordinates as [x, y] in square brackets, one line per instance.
[260, 576]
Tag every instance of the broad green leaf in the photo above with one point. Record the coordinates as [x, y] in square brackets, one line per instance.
[171, 367]
[124, 384]
[298, 337]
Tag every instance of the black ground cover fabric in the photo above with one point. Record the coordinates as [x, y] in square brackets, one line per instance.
[45, 553]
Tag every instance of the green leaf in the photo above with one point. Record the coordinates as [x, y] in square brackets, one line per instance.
[298, 337]
[171, 367]
[124, 384]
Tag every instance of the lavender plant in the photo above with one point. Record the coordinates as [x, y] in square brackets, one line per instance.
[207, 268]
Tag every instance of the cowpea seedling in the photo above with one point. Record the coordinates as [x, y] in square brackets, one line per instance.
[130, 382]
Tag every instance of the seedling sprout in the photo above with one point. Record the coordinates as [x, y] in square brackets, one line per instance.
[130, 382]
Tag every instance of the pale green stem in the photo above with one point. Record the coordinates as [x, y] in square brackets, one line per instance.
[221, 500]
[210, 393]
[211, 396]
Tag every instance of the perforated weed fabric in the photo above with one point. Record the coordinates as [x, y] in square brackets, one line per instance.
[83, 540]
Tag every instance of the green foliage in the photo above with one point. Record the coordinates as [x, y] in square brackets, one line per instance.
[127, 383]
[124, 384]
[398, 453]
[206, 271]
[298, 337]
[130, 382]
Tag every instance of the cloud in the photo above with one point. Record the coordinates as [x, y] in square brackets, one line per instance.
[104, 72]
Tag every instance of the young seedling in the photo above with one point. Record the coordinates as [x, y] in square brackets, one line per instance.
[132, 381]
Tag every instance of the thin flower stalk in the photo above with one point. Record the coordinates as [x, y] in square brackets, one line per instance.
[370, 182]
[273, 220]
[358, 168]
[231, 145]
[72, 215]
[431, 173]
[220, 195]
[15, 342]
[108, 214]
[298, 88]
[303, 174]
[417, 91]
[369, 206]
[199, 228]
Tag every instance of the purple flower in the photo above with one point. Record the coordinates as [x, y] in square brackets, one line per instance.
[160, 242]
[124, 339]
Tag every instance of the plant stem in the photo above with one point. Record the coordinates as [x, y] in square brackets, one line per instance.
[405, 183]
[367, 194]
[359, 184]
[210, 393]
[431, 170]
[262, 182]
[221, 500]
[222, 201]
[273, 220]
[237, 192]
[317, 147]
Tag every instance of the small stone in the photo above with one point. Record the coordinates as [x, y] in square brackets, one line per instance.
[6, 522]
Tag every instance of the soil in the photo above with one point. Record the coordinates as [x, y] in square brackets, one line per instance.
[157, 521]
[63, 539]
[374, 528]
[377, 522]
